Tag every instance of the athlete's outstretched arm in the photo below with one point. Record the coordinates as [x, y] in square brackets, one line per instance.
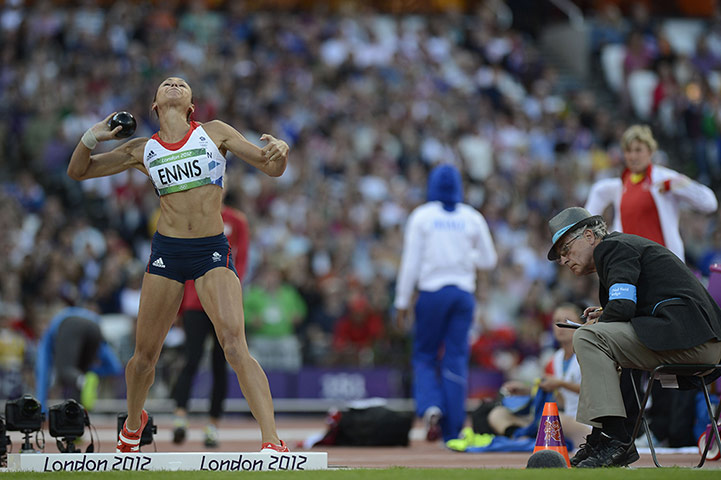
[271, 159]
[83, 165]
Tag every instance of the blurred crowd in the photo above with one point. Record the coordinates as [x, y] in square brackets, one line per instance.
[668, 72]
[369, 103]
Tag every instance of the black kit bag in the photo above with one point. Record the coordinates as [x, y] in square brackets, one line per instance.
[374, 426]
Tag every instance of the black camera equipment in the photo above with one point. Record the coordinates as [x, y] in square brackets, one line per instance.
[68, 420]
[24, 415]
[147, 436]
[4, 442]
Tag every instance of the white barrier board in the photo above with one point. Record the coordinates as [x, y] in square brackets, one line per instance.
[221, 461]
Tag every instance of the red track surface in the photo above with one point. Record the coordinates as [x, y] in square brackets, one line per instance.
[241, 434]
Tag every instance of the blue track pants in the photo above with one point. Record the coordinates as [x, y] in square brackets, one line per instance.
[441, 353]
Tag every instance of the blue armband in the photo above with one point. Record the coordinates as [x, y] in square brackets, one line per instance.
[622, 291]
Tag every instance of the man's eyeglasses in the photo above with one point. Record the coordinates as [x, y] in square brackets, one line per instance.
[563, 251]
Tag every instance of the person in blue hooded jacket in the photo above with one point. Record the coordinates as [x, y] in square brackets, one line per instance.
[73, 348]
[445, 243]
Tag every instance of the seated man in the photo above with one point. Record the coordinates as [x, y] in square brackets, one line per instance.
[653, 311]
[563, 379]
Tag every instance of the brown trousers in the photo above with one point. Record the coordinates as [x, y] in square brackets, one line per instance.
[604, 347]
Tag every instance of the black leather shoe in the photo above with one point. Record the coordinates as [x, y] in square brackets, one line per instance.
[586, 449]
[610, 452]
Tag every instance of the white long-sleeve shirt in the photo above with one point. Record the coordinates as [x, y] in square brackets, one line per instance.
[668, 204]
[442, 248]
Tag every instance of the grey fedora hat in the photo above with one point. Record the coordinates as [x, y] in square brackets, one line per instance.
[565, 221]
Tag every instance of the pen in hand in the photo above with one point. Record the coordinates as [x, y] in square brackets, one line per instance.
[584, 316]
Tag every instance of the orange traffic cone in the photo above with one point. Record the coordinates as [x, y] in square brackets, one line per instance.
[550, 433]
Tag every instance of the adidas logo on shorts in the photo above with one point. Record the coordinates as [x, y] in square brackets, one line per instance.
[159, 263]
[217, 257]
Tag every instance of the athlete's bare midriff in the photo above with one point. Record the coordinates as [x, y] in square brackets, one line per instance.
[192, 214]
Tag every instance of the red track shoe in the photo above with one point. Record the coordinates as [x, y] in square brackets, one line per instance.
[268, 447]
[129, 442]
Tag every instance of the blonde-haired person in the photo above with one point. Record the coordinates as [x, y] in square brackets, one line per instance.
[647, 198]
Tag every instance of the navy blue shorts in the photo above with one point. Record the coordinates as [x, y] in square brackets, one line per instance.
[184, 259]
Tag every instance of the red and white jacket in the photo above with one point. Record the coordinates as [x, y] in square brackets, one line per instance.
[672, 191]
